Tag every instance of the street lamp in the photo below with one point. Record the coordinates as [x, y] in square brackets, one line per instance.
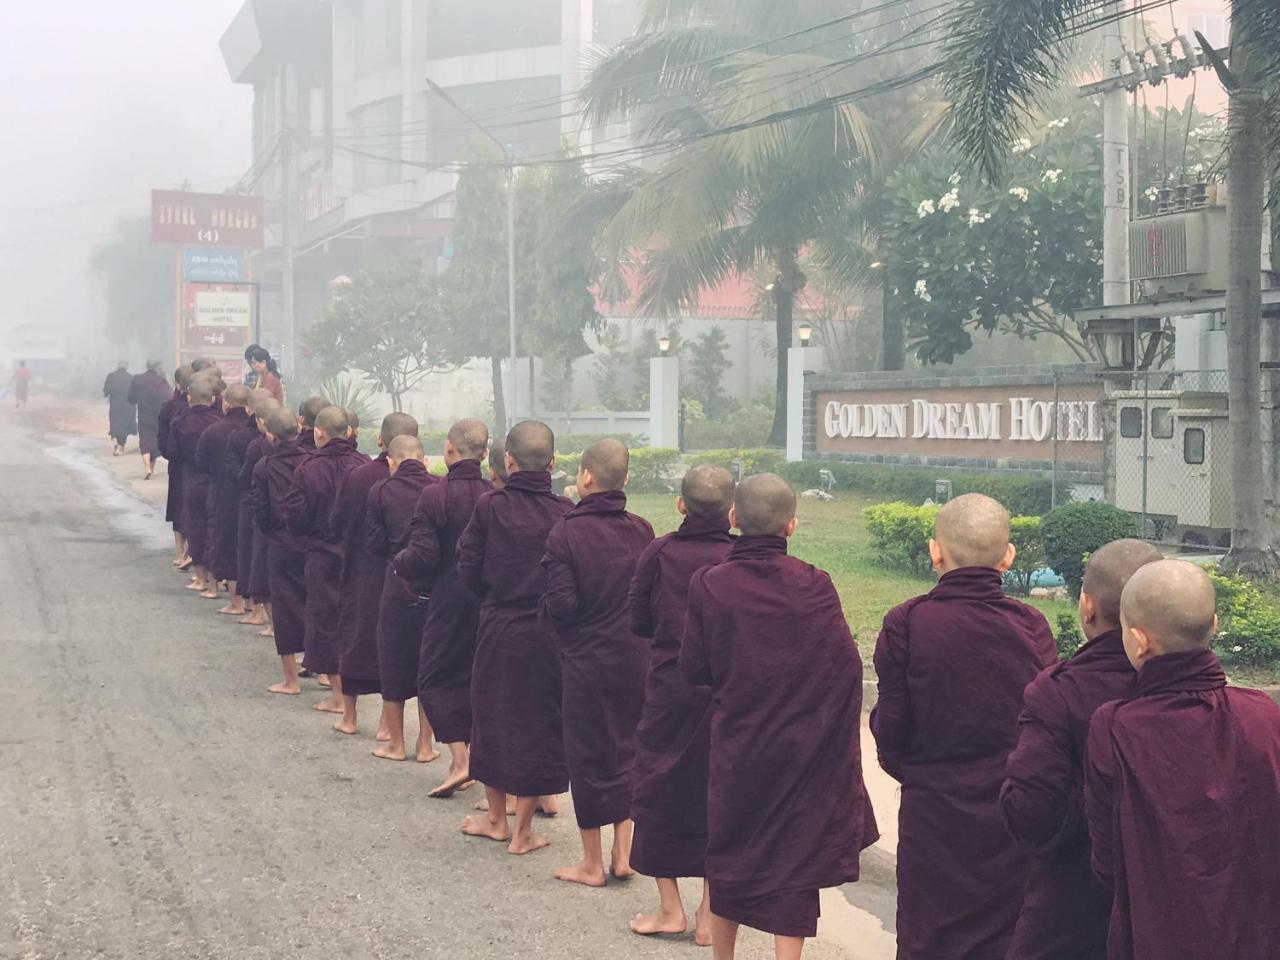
[806, 333]
[664, 345]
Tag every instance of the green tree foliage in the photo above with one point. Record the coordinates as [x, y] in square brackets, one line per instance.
[708, 362]
[388, 326]
[1075, 530]
[139, 280]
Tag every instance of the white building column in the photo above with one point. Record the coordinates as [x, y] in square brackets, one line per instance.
[800, 360]
[664, 402]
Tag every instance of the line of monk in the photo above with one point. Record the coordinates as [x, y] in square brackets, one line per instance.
[700, 694]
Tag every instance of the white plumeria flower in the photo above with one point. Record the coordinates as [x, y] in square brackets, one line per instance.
[954, 179]
[1021, 145]
[1237, 648]
[1020, 192]
[1051, 176]
[949, 200]
[976, 217]
[1059, 124]
[925, 208]
[922, 291]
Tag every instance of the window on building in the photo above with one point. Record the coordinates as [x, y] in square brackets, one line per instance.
[376, 37]
[1130, 422]
[1212, 25]
[1161, 423]
[377, 130]
[524, 113]
[459, 28]
[1193, 445]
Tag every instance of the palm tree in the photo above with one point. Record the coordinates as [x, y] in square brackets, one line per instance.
[754, 199]
[1003, 55]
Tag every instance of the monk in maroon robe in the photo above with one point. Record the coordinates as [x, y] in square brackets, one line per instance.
[174, 407]
[286, 553]
[590, 561]
[401, 612]
[673, 740]
[223, 501]
[309, 514]
[362, 578]
[233, 465]
[187, 431]
[1182, 787]
[307, 414]
[517, 745]
[786, 807]
[259, 582]
[1065, 909]
[149, 391]
[428, 564]
[951, 667]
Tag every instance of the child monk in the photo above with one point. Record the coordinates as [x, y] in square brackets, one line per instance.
[237, 447]
[173, 408]
[517, 745]
[498, 464]
[362, 578]
[590, 561]
[951, 667]
[429, 565]
[401, 612]
[1065, 909]
[1182, 787]
[307, 414]
[286, 553]
[673, 740]
[786, 808]
[224, 494]
[259, 584]
[186, 432]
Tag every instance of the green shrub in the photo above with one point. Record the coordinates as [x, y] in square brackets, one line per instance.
[1025, 496]
[1248, 623]
[900, 533]
[1068, 635]
[1074, 530]
[755, 460]
[746, 427]
[652, 469]
[1026, 535]
[577, 442]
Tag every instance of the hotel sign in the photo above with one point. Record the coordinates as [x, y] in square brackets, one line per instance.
[206, 219]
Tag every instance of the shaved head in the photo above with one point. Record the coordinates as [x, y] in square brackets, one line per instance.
[332, 421]
[498, 461]
[470, 438]
[397, 425]
[237, 395]
[608, 461]
[201, 363]
[1173, 603]
[763, 505]
[404, 448]
[200, 391]
[311, 408]
[707, 492]
[973, 531]
[258, 396]
[532, 445]
[182, 376]
[282, 423]
[353, 419]
[264, 408]
[1110, 569]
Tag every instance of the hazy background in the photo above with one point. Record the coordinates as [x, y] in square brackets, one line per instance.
[100, 102]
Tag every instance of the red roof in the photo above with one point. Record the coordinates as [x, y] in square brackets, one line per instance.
[734, 299]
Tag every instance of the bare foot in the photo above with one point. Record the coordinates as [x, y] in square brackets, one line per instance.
[528, 844]
[484, 827]
[291, 690]
[454, 783]
[580, 874]
[210, 594]
[269, 632]
[254, 620]
[548, 806]
[326, 706]
[621, 869]
[647, 924]
[230, 611]
[193, 585]
[185, 564]
[483, 804]
[386, 753]
[427, 755]
[383, 736]
[323, 681]
[702, 928]
[348, 728]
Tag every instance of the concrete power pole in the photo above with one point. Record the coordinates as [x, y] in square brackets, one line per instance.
[1115, 171]
[286, 225]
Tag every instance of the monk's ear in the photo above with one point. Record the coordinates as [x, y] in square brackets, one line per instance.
[512, 466]
[681, 507]
[1010, 552]
[626, 479]
[552, 464]
[584, 476]
[1088, 609]
[790, 528]
[935, 554]
[733, 517]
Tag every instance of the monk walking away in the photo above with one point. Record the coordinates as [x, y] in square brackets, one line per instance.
[517, 746]
[429, 565]
[951, 667]
[149, 392]
[1065, 909]
[402, 612]
[673, 740]
[1182, 787]
[786, 808]
[122, 411]
[590, 561]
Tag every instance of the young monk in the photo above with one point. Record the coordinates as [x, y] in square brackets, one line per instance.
[590, 560]
[786, 807]
[517, 745]
[951, 669]
[498, 464]
[363, 575]
[401, 612]
[673, 740]
[353, 425]
[307, 414]
[286, 553]
[1182, 787]
[233, 465]
[1065, 909]
[428, 564]
[173, 408]
[308, 514]
[223, 501]
[256, 572]
[187, 431]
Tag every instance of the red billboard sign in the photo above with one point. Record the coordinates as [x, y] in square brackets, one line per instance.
[206, 219]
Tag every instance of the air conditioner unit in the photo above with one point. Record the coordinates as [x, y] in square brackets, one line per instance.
[1174, 254]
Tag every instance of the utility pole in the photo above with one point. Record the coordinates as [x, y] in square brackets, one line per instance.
[1115, 170]
[286, 250]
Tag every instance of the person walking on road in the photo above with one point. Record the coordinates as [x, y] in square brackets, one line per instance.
[123, 412]
[149, 391]
[21, 383]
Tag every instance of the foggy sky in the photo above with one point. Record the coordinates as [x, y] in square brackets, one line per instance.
[100, 102]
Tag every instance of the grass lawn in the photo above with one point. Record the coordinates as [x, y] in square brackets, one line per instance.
[833, 536]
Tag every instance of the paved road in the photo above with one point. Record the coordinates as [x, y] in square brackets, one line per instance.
[157, 802]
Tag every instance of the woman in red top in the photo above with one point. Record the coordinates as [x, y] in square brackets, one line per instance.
[21, 383]
[268, 373]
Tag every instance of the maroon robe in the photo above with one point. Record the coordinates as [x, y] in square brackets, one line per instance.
[951, 667]
[233, 464]
[360, 584]
[786, 806]
[517, 744]
[308, 514]
[401, 612]
[590, 561]
[673, 740]
[1065, 909]
[223, 502]
[150, 392]
[286, 553]
[257, 578]
[1182, 794]
[186, 432]
[429, 565]
[174, 408]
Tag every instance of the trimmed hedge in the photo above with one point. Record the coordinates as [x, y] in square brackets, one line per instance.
[1026, 534]
[900, 534]
[1248, 623]
[652, 468]
[1067, 634]
[1075, 530]
[754, 459]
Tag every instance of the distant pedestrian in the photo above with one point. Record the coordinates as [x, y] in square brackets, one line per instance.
[266, 373]
[149, 391]
[122, 412]
[21, 383]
